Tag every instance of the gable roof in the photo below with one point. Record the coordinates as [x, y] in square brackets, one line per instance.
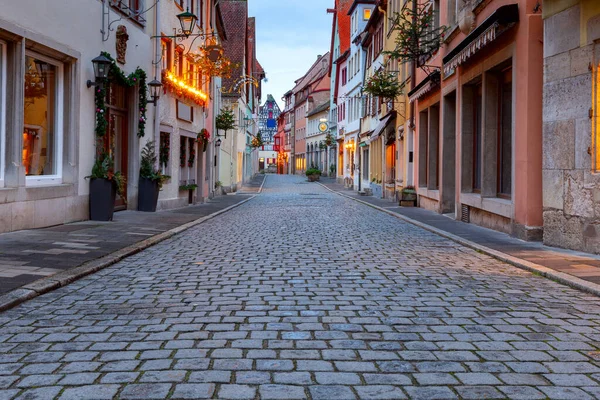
[235, 20]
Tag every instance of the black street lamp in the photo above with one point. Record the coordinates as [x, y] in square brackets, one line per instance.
[101, 70]
[187, 21]
[155, 86]
[218, 143]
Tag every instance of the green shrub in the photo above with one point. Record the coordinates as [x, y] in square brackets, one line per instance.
[313, 171]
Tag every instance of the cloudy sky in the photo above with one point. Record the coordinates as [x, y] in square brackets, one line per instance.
[289, 36]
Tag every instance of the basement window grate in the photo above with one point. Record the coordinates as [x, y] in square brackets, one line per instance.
[465, 214]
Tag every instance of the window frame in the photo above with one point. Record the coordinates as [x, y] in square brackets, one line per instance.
[57, 178]
[499, 164]
[478, 133]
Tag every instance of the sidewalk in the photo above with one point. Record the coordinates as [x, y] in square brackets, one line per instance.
[580, 270]
[29, 255]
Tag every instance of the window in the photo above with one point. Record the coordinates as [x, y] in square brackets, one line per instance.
[180, 59]
[131, 8]
[477, 137]
[366, 14]
[452, 12]
[190, 75]
[2, 108]
[166, 57]
[505, 133]
[42, 127]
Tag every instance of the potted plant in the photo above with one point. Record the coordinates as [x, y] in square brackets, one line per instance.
[408, 196]
[151, 179]
[203, 137]
[105, 184]
[313, 174]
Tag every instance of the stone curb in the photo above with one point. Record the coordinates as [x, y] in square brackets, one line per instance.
[63, 278]
[560, 277]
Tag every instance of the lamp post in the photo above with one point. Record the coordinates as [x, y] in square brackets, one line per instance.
[187, 21]
[155, 86]
[101, 69]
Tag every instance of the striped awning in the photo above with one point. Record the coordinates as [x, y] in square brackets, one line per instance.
[500, 21]
[432, 81]
[482, 40]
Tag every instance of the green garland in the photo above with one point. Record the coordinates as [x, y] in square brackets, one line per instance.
[117, 75]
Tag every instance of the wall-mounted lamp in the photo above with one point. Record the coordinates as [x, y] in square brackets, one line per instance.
[155, 86]
[101, 69]
[218, 142]
[187, 20]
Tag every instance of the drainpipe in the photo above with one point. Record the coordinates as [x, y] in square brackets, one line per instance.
[157, 63]
[411, 121]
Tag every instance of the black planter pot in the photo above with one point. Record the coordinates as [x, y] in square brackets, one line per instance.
[102, 199]
[147, 195]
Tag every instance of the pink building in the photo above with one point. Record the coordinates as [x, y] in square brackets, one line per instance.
[478, 117]
[310, 90]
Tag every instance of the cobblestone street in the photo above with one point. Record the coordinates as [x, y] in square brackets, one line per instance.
[301, 293]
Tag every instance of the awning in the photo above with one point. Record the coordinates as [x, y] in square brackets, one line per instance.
[425, 86]
[380, 128]
[500, 21]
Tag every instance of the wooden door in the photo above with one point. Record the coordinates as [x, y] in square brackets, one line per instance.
[117, 138]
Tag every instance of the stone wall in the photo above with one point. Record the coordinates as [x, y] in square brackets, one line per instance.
[571, 189]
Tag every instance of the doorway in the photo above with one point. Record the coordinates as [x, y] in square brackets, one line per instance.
[116, 142]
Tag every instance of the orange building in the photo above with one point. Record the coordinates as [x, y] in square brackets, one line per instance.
[478, 117]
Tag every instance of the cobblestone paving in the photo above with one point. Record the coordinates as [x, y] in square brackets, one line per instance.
[303, 294]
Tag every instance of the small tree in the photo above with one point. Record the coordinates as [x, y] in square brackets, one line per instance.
[417, 37]
[383, 84]
[225, 120]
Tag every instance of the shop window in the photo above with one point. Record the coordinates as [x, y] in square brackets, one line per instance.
[423, 139]
[42, 128]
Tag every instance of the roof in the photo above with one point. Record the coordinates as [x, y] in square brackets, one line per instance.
[319, 69]
[319, 109]
[235, 16]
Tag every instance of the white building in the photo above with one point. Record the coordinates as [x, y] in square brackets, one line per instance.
[360, 13]
[47, 112]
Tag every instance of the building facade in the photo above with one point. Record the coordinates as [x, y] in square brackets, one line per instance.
[237, 161]
[48, 112]
[571, 124]
[186, 108]
[317, 129]
[478, 135]
[310, 90]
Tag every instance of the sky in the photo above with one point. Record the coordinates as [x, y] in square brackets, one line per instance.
[290, 34]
